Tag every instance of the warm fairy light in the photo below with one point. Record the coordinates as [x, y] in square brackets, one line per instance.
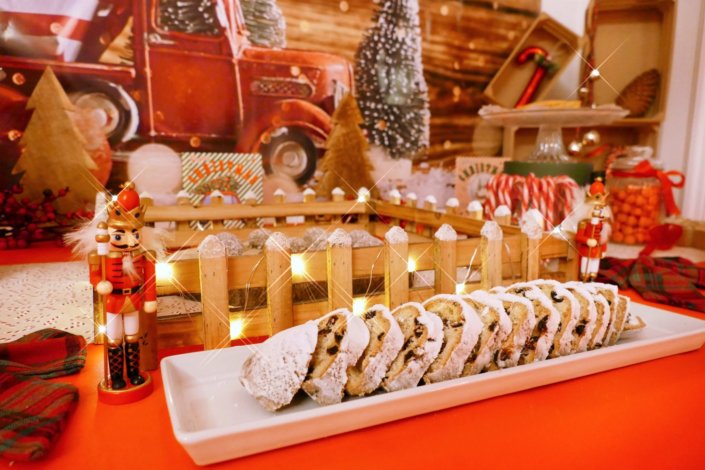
[165, 272]
[460, 288]
[595, 74]
[411, 265]
[298, 266]
[363, 194]
[236, 328]
[102, 329]
[359, 306]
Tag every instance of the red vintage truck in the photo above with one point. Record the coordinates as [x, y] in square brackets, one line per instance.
[192, 82]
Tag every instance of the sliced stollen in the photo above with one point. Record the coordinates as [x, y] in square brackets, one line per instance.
[604, 313]
[496, 327]
[588, 317]
[569, 308]
[342, 338]
[461, 330]
[539, 344]
[521, 314]
[423, 338]
[611, 293]
[623, 304]
[274, 372]
[386, 340]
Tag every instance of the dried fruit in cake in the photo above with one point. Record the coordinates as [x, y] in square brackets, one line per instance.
[386, 340]
[461, 331]
[274, 372]
[587, 321]
[496, 327]
[342, 337]
[621, 319]
[568, 307]
[423, 338]
[521, 313]
[539, 344]
[604, 313]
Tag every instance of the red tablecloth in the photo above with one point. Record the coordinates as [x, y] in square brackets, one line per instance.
[649, 415]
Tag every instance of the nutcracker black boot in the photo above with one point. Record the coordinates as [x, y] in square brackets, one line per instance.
[115, 364]
[132, 349]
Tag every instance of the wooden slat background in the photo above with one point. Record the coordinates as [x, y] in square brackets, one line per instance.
[464, 44]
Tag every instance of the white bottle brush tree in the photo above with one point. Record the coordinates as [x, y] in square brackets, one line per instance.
[391, 89]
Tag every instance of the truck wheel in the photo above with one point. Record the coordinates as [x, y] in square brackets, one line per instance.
[292, 154]
[112, 106]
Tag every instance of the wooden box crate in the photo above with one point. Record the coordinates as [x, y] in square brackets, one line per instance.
[561, 43]
[631, 37]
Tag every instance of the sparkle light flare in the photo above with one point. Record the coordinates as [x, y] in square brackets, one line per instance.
[411, 265]
[164, 271]
[298, 265]
[359, 305]
[237, 327]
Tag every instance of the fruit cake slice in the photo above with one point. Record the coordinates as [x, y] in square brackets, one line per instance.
[539, 344]
[496, 328]
[623, 304]
[386, 340]
[611, 293]
[588, 317]
[569, 308]
[604, 314]
[521, 314]
[274, 372]
[342, 337]
[461, 330]
[423, 338]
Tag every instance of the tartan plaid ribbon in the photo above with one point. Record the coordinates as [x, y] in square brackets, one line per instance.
[33, 412]
[670, 280]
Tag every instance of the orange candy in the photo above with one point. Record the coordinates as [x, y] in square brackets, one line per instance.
[618, 237]
[630, 239]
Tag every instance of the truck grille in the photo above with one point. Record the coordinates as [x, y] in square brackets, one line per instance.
[281, 87]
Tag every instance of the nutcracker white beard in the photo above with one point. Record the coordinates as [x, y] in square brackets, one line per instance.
[128, 265]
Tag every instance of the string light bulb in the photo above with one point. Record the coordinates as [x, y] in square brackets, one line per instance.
[164, 271]
[359, 306]
[460, 288]
[298, 265]
[411, 265]
[237, 327]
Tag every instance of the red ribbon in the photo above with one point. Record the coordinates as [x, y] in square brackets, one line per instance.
[645, 170]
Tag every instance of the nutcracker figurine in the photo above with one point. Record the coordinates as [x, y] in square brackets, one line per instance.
[124, 277]
[591, 242]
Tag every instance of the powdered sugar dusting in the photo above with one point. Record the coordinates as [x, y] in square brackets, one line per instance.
[396, 235]
[446, 233]
[249, 196]
[531, 227]
[183, 194]
[309, 192]
[277, 241]
[211, 247]
[491, 230]
[339, 237]
[430, 199]
[280, 192]
[337, 192]
[275, 371]
[472, 326]
[423, 355]
[394, 194]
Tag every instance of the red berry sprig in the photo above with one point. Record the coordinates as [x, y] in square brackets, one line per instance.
[23, 221]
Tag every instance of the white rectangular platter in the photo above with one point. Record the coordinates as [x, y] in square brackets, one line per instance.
[215, 419]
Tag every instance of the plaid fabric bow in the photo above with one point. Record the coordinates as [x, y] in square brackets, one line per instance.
[672, 280]
[33, 412]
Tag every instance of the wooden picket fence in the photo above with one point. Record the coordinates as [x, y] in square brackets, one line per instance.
[214, 276]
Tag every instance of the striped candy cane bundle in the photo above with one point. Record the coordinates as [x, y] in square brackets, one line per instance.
[553, 196]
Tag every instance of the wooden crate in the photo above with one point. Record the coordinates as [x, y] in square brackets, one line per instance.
[631, 37]
[511, 79]
[213, 277]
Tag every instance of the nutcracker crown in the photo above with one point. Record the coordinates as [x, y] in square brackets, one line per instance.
[597, 193]
[125, 211]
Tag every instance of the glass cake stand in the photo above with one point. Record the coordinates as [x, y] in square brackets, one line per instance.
[550, 121]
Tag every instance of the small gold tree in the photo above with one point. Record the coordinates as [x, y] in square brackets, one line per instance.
[346, 163]
[54, 154]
